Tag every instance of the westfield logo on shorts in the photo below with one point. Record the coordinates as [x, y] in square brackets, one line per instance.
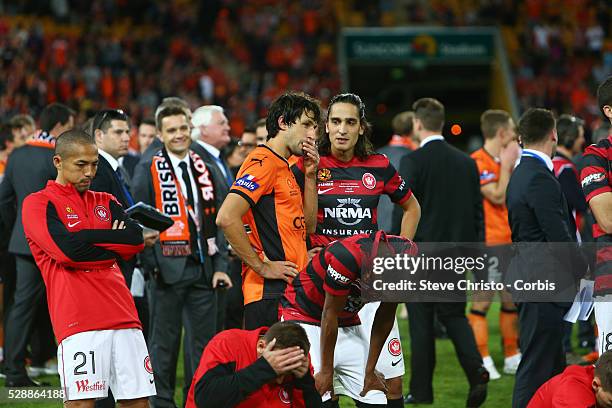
[83, 386]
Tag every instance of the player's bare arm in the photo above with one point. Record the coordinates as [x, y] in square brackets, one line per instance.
[601, 205]
[329, 333]
[311, 163]
[229, 219]
[411, 217]
[495, 192]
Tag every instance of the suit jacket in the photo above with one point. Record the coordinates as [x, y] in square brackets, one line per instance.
[388, 219]
[171, 268]
[27, 171]
[106, 181]
[446, 183]
[129, 163]
[537, 213]
[221, 187]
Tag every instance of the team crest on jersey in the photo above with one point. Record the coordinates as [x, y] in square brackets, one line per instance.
[395, 347]
[102, 213]
[290, 183]
[247, 181]
[369, 181]
[284, 396]
[323, 174]
[147, 365]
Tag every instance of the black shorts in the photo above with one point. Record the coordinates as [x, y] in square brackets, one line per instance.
[261, 313]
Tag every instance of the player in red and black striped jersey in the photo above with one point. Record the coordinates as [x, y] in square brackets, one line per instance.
[349, 192]
[596, 179]
[327, 293]
[350, 181]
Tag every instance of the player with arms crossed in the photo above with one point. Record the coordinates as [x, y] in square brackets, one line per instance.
[76, 236]
[325, 299]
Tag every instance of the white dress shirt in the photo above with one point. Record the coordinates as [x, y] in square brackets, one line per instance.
[431, 139]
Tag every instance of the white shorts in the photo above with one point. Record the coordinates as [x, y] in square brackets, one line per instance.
[350, 356]
[89, 363]
[391, 360]
[603, 318]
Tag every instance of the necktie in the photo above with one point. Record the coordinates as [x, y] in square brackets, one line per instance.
[228, 177]
[124, 186]
[195, 242]
[187, 181]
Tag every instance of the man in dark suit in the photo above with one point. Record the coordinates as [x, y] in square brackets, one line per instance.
[112, 136]
[445, 180]
[28, 170]
[537, 212]
[211, 134]
[183, 268]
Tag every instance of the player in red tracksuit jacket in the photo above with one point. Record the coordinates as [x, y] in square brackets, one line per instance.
[76, 236]
[255, 369]
[578, 387]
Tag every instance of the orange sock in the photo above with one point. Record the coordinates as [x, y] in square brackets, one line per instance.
[478, 321]
[508, 325]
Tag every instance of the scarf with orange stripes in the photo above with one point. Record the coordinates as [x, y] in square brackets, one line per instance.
[170, 200]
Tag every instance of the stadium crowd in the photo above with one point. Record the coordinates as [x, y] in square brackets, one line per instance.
[250, 252]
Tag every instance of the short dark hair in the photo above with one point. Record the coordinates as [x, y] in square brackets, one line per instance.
[169, 111]
[148, 121]
[603, 370]
[363, 147]
[19, 121]
[287, 334]
[491, 120]
[402, 123]
[291, 106]
[65, 142]
[430, 112]
[568, 129]
[53, 114]
[535, 125]
[103, 119]
[604, 94]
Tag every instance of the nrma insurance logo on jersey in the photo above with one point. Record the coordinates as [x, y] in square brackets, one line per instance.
[348, 212]
[247, 181]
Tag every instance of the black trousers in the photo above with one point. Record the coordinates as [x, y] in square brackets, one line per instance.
[423, 348]
[541, 341]
[30, 300]
[188, 305]
[261, 313]
[234, 307]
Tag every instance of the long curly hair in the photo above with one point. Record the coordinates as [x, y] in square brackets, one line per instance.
[364, 147]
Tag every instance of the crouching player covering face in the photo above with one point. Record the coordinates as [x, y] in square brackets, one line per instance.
[325, 299]
[76, 235]
[255, 369]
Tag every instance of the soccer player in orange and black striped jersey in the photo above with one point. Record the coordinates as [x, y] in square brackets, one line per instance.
[495, 161]
[264, 216]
